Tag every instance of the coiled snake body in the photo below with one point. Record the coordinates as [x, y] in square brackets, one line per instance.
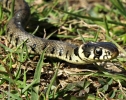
[84, 54]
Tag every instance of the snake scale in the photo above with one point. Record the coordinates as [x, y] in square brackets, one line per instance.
[84, 54]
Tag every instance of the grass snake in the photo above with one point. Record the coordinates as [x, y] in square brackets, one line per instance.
[84, 54]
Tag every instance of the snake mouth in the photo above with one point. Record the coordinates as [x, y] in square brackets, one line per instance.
[115, 53]
[112, 48]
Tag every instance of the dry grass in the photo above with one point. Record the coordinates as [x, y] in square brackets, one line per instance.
[71, 22]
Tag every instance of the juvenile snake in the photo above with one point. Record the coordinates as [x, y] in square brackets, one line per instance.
[84, 54]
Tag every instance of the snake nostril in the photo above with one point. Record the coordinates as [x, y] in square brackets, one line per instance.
[108, 53]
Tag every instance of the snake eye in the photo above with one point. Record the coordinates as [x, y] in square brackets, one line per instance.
[98, 51]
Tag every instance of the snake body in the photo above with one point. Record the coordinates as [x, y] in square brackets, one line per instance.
[84, 54]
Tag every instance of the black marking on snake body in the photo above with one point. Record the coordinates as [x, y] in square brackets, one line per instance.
[67, 52]
[60, 51]
[76, 53]
[33, 47]
[70, 58]
[11, 36]
[16, 39]
[8, 4]
[45, 46]
[52, 50]
[60, 54]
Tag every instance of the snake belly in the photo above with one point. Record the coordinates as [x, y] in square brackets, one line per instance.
[84, 54]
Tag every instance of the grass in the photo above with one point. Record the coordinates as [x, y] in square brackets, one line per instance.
[26, 76]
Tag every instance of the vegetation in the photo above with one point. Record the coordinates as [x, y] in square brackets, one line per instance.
[26, 76]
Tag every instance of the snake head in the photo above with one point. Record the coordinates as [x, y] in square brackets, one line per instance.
[98, 51]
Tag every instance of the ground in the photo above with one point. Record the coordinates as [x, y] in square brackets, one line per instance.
[74, 22]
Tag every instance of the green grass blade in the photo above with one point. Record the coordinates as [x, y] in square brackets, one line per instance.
[106, 26]
[35, 88]
[13, 96]
[51, 83]
[30, 85]
[12, 9]
[118, 4]
[94, 18]
[81, 36]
